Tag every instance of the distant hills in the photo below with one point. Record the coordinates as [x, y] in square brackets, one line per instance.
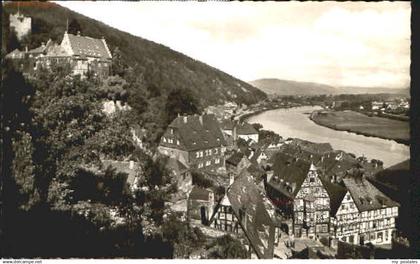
[287, 87]
[161, 67]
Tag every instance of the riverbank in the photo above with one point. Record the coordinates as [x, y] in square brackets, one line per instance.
[361, 124]
[246, 116]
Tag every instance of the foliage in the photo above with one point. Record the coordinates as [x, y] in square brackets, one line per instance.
[226, 247]
[74, 27]
[184, 238]
[180, 101]
[268, 137]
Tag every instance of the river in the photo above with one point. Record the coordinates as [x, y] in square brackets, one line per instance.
[295, 123]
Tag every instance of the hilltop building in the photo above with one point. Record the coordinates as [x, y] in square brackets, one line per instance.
[195, 141]
[21, 24]
[85, 55]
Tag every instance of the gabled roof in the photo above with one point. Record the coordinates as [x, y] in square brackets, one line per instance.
[294, 171]
[235, 158]
[89, 47]
[198, 132]
[55, 50]
[258, 226]
[15, 54]
[246, 129]
[336, 191]
[198, 193]
[365, 195]
[288, 171]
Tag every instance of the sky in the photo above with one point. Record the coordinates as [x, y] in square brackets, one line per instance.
[336, 43]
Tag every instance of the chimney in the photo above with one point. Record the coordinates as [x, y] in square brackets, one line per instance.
[43, 44]
[231, 179]
[211, 204]
[185, 119]
[26, 48]
[131, 165]
[78, 33]
[269, 175]
[234, 133]
[200, 118]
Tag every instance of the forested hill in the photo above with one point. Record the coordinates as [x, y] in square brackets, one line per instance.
[163, 69]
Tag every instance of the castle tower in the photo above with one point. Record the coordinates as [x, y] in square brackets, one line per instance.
[20, 24]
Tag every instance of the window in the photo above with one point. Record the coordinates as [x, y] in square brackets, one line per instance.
[164, 139]
[311, 179]
[200, 165]
[217, 161]
[197, 154]
[215, 151]
[172, 131]
[177, 142]
[208, 163]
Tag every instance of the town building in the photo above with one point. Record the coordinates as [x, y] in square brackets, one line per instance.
[236, 163]
[311, 208]
[242, 211]
[365, 214]
[181, 175]
[236, 129]
[21, 24]
[200, 205]
[196, 141]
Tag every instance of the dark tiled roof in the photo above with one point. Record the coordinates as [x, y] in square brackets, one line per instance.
[294, 171]
[197, 135]
[259, 228]
[235, 158]
[336, 191]
[198, 193]
[89, 47]
[245, 129]
[256, 172]
[289, 169]
[365, 195]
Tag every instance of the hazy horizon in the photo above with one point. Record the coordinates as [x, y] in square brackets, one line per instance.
[334, 43]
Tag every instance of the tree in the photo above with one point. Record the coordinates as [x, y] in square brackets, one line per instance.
[119, 66]
[74, 27]
[180, 101]
[226, 247]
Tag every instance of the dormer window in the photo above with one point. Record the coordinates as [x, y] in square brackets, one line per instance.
[172, 131]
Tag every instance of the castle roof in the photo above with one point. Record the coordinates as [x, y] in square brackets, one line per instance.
[89, 47]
